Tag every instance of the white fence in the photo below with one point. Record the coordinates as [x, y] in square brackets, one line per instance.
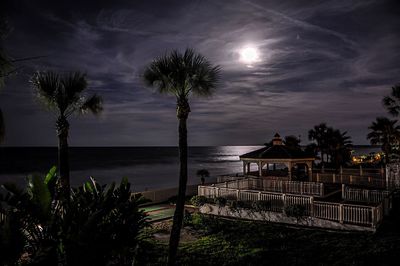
[343, 213]
[290, 187]
[367, 180]
[363, 195]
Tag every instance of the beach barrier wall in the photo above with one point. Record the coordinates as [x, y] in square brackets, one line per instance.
[162, 195]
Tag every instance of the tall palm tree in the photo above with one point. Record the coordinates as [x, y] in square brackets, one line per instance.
[392, 102]
[386, 133]
[63, 94]
[339, 146]
[318, 134]
[181, 75]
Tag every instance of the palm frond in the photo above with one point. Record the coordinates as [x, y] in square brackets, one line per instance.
[47, 86]
[73, 85]
[93, 104]
[392, 102]
[181, 74]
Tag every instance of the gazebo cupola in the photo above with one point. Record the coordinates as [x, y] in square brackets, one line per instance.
[277, 153]
[277, 140]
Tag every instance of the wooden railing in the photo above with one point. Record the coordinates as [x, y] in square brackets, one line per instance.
[367, 180]
[289, 187]
[363, 195]
[327, 211]
[343, 213]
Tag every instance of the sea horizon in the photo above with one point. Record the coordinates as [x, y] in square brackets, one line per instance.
[146, 167]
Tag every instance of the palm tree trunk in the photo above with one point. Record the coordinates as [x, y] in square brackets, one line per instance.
[180, 204]
[63, 158]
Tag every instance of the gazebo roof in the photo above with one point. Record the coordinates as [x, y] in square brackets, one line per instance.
[277, 151]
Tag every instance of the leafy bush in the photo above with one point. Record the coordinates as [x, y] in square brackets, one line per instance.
[97, 225]
[220, 201]
[198, 200]
[295, 210]
[187, 218]
[262, 206]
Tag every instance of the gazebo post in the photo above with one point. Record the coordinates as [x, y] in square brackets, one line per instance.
[289, 170]
[244, 168]
[260, 168]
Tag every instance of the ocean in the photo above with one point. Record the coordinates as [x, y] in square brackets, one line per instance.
[145, 167]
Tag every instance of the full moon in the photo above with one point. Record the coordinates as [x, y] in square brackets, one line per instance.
[249, 55]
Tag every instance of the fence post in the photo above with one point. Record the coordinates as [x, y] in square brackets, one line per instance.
[284, 203]
[373, 217]
[322, 190]
[317, 177]
[259, 196]
[237, 194]
[312, 206]
[343, 191]
[301, 188]
[341, 213]
[217, 194]
[226, 184]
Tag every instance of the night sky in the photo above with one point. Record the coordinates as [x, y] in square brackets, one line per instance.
[319, 61]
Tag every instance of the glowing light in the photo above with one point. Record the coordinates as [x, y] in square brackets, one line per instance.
[249, 55]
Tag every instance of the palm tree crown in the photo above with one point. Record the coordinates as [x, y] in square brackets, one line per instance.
[385, 132]
[182, 74]
[392, 102]
[63, 94]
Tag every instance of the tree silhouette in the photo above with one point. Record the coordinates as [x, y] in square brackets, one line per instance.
[63, 95]
[386, 133]
[181, 75]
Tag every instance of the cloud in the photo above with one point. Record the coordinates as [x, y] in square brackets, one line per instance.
[321, 61]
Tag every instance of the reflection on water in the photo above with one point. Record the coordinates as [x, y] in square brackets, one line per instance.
[145, 167]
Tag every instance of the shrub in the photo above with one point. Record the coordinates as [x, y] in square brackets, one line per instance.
[220, 201]
[295, 210]
[263, 205]
[198, 201]
[98, 225]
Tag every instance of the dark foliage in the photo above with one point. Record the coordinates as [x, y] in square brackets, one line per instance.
[101, 225]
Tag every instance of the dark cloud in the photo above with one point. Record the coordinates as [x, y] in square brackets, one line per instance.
[319, 61]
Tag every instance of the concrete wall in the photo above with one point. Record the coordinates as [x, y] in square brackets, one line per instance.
[277, 217]
[162, 195]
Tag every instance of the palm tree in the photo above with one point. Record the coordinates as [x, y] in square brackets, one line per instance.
[203, 173]
[385, 132]
[181, 75]
[292, 142]
[63, 95]
[318, 134]
[339, 147]
[392, 102]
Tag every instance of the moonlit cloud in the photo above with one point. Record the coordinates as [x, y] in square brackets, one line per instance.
[319, 61]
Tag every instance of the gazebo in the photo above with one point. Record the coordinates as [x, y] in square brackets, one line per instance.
[277, 153]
